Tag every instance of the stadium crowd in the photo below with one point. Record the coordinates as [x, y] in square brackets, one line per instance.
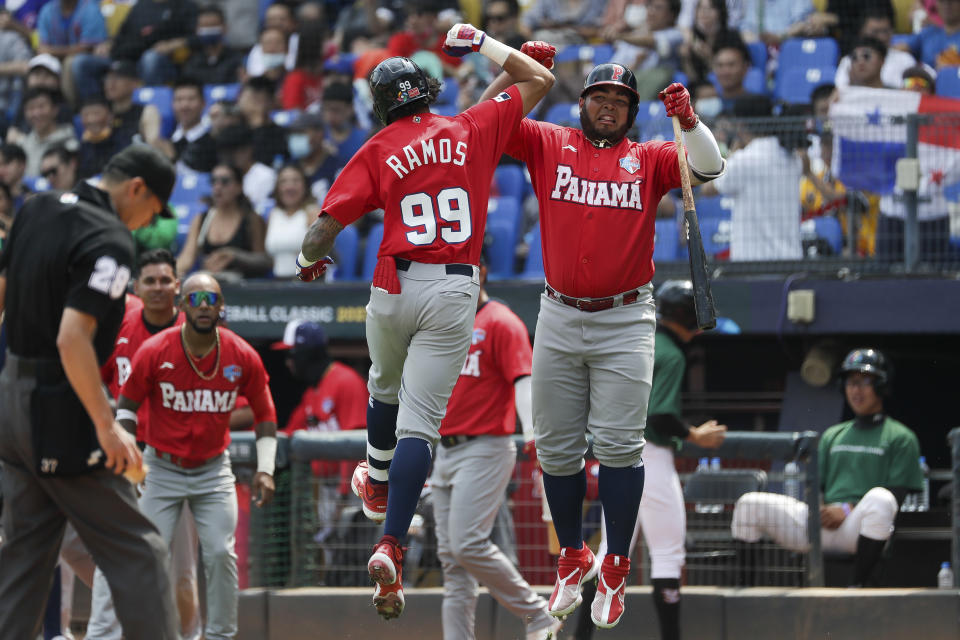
[262, 106]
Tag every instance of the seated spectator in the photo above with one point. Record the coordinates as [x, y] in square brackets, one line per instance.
[763, 179]
[212, 62]
[273, 44]
[314, 153]
[877, 24]
[773, 21]
[501, 19]
[223, 114]
[562, 22]
[705, 99]
[43, 71]
[130, 119]
[13, 165]
[696, 53]
[153, 31]
[40, 110]
[866, 63]
[340, 123]
[6, 212]
[192, 145]
[255, 103]
[939, 46]
[361, 20]
[278, 16]
[652, 51]
[867, 467]
[235, 147]
[229, 236]
[14, 60]
[296, 208]
[70, 27]
[845, 19]
[731, 61]
[302, 87]
[98, 142]
[59, 168]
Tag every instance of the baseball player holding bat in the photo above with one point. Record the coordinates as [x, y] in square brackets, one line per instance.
[431, 174]
[593, 353]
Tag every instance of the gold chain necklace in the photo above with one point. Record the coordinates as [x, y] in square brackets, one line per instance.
[186, 351]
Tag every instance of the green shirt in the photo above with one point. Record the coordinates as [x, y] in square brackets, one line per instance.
[855, 459]
[669, 365]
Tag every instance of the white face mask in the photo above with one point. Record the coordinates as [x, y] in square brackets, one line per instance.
[272, 60]
[709, 107]
[298, 144]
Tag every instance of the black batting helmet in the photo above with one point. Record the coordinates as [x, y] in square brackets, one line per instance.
[616, 75]
[675, 302]
[868, 361]
[396, 82]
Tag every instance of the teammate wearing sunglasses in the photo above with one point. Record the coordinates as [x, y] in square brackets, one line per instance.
[192, 375]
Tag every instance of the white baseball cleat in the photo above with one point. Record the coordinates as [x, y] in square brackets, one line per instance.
[607, 608]
[574, 567]
[546, 633]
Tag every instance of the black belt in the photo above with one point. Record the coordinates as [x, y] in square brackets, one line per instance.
[452, 269]
[46, 370]
[594, 304]
[452, 441]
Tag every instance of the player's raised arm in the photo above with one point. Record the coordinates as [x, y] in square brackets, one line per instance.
[540, 52]
[533, 79]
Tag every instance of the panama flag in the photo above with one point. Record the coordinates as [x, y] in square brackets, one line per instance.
[870, 135]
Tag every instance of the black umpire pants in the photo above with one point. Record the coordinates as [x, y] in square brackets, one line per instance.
[101, 506]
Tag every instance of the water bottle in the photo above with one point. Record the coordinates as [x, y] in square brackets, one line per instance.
[715, 466]
[945, 576]
[924, 502]
[702, 465]
[791, 480]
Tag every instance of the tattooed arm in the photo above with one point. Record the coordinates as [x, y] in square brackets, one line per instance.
[320, 236]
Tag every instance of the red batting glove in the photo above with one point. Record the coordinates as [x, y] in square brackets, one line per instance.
[676, 99]
[540, 51]
[313, 270]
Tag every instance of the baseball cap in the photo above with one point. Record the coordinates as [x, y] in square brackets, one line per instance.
[301, 334]
[141, 161]
[47, 61]
[124, 68]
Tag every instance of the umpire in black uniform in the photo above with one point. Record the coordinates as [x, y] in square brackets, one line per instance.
[63, 277]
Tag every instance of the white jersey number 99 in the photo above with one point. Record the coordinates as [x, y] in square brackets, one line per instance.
[452, 207]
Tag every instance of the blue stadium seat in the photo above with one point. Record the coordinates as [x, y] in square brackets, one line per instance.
[758, 54]
[36, 183]
[501, 243]
[715, 232]
[651, 110]
[795, 85]
[346, 245]
[681, 77]
[566, 114]
[449, 92]
[162, 98]
[370, 252]
[901, 39]
[190, 187]
[506, 209]
[285, 118]
[948, 82]
[186, 212]
[265, 207]
[534, 266]
[445, 109]
[585, 53]
[510, 180]
[807, 53]
[713, 207]
[755, 81]
[216, 92]
[602, 53]
[666, 240]
[826, 228]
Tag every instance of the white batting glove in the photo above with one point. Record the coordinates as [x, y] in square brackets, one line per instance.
[463, 39]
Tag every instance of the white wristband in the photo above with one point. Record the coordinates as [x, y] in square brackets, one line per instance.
[126, 414]
[703, 154]
[266, 454]
[303, 263]
[495, 50]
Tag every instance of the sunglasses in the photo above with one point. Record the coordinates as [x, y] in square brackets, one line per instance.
[498, 17]
[221, 180]
[49, 172]
[915, 83]
[197, 298]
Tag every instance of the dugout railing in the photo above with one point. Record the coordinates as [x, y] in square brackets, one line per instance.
[328, 539]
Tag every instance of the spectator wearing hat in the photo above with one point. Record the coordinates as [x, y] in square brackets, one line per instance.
[40, 106]
[255, 103]
[192, 146]
[13, 165]
[43, 71]
[289, 219]
[918, 78]
[315, 154]
[14, 60]
[59, 168]
[130, 119]
[99, 141]
[302, 87]
[280, 17]
[211, 61]
[340, 123]
[235, 147]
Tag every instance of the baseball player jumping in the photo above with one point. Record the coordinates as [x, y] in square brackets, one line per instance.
[593, 353]
[431, 174]
[192, 375]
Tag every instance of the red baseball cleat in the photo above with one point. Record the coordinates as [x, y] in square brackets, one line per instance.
[374, 495]
[386, 569]
[611, 587]
[574, 567]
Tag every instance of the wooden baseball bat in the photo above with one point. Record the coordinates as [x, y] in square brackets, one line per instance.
[702, 295]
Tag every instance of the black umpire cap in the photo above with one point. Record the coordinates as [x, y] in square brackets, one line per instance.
[141, 161]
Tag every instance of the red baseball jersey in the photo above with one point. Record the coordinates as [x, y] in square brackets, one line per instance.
[482, 402]
[431, 175]
[597, 206]
[337, 403]
[115, 371]
[189, 416]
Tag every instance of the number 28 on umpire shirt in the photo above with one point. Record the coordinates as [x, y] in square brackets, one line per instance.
[190, 417]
